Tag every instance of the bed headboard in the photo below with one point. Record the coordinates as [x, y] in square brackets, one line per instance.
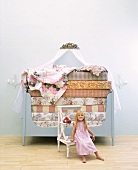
[71, 57]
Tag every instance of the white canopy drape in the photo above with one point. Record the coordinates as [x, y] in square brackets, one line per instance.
[76, 53]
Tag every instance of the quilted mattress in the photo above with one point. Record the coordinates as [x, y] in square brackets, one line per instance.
[83, 75]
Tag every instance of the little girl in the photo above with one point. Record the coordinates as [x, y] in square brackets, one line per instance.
[80, 134]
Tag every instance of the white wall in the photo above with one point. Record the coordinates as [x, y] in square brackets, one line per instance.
[31, 32]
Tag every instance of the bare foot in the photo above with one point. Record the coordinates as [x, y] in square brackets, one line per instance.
[83, 159]
[100, 158]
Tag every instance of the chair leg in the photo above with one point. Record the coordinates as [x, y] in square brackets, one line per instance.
[58, 146]
[67, 151]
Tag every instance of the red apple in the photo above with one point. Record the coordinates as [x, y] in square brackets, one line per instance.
[67, 120]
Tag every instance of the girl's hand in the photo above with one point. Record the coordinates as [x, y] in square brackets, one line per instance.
[72, 140]
[93, 138]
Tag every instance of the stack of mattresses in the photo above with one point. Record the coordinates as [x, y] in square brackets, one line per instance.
[84, 89]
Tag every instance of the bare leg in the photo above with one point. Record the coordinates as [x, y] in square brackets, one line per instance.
[98, 156]
[83, 159]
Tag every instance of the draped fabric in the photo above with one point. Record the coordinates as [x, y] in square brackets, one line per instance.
[18, 104]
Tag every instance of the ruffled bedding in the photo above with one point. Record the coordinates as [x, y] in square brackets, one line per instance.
[52, 81]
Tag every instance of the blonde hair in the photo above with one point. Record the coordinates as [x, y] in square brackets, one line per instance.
[84, 120]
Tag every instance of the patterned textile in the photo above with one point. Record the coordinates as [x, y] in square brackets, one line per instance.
[46, 123]
[53, 109]
[45, 116]
[82, 75]
[34, 93]
[51, 119]
[52, 74]
[86, 93]
[51, 81]
[69, 101]
[94, 69]
[39, 101]
[76, 93]
[89, 85]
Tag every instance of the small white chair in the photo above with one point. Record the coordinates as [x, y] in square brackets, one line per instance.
[61, 127]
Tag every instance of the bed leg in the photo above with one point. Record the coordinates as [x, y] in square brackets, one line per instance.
[23, 140]
[112, 140]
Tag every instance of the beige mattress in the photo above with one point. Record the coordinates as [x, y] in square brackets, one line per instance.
[89, 85]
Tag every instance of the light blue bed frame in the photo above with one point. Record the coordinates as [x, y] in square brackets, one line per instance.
[31, 129]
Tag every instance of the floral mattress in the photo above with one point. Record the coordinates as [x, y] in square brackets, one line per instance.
[45, 115]
[51, 119]
[69, 101]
